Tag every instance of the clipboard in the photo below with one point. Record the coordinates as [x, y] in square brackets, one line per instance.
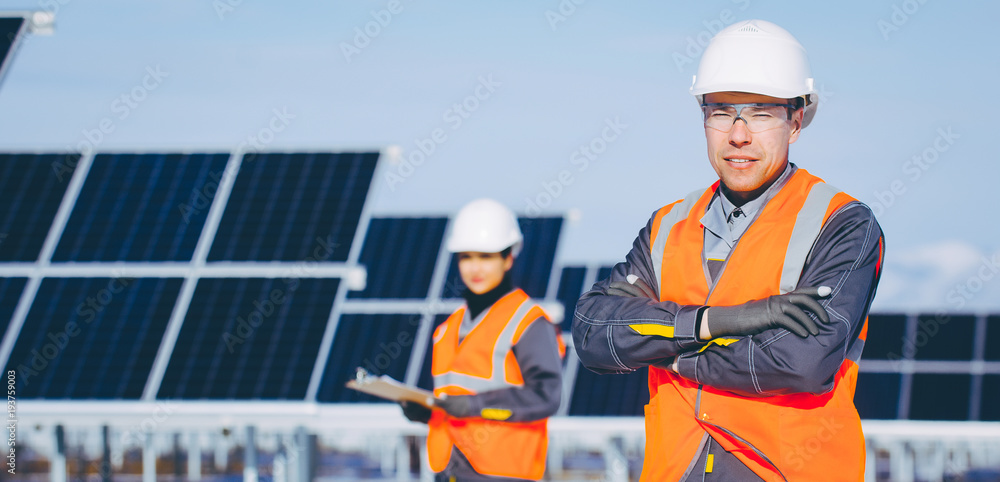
[389, 388]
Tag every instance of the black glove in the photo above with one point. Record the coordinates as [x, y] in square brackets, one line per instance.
[456, 405]
[415, 412]
[633, 287]
[786, 311]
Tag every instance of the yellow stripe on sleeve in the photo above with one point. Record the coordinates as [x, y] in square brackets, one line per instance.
[653, 329]
[495, 413]
[720, 342]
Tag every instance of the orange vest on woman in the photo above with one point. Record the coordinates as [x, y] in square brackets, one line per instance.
[485, 361]
[781, 438]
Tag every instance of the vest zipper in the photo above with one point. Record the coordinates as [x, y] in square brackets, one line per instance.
[697, 410]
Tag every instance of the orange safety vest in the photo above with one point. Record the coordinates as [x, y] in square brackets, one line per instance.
[794, 437]
[485, 361]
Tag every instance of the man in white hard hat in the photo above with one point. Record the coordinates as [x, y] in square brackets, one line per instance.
[496, 361]
[748, 301]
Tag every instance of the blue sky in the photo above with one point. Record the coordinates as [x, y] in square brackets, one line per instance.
[899, 79]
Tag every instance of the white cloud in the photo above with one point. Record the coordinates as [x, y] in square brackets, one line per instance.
[950, 275]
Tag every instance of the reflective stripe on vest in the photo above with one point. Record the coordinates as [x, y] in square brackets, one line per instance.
[661, 229]
[808, 224]
[497, 379]
[767, 433]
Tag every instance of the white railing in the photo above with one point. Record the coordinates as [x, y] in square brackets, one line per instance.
[897, 450]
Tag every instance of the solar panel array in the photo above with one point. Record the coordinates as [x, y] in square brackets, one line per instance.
[175, 275]
[910, 360]
[220, 276]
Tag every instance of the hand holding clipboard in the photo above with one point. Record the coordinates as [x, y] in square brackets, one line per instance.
[386, 387]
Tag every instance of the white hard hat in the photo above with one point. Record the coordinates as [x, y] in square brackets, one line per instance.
[485, 226]
[758, 57]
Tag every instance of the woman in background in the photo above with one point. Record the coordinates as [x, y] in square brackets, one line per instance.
[496, 361]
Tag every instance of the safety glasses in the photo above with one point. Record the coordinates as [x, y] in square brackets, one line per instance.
[758, 117]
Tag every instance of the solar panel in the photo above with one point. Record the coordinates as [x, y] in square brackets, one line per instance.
[380, 344]
[940, 396]
[31, 188]
[569, 291]
[532, 268]
[10, 294]
[885, 337]
[609, 395]
[141, 207]
[952, 340]
[603, 273]
[400, 254]
[294, 206]
[989, 408]
[10, 28]
[249, 338]
[92, 338]
[992, 338]
[877, 395]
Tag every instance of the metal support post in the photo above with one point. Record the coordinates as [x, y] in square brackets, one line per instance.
[250, 456]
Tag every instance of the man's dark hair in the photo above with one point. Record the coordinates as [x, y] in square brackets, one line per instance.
[799, 103]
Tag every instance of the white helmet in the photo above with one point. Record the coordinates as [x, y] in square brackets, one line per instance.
[485, 226]
[758, 57]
